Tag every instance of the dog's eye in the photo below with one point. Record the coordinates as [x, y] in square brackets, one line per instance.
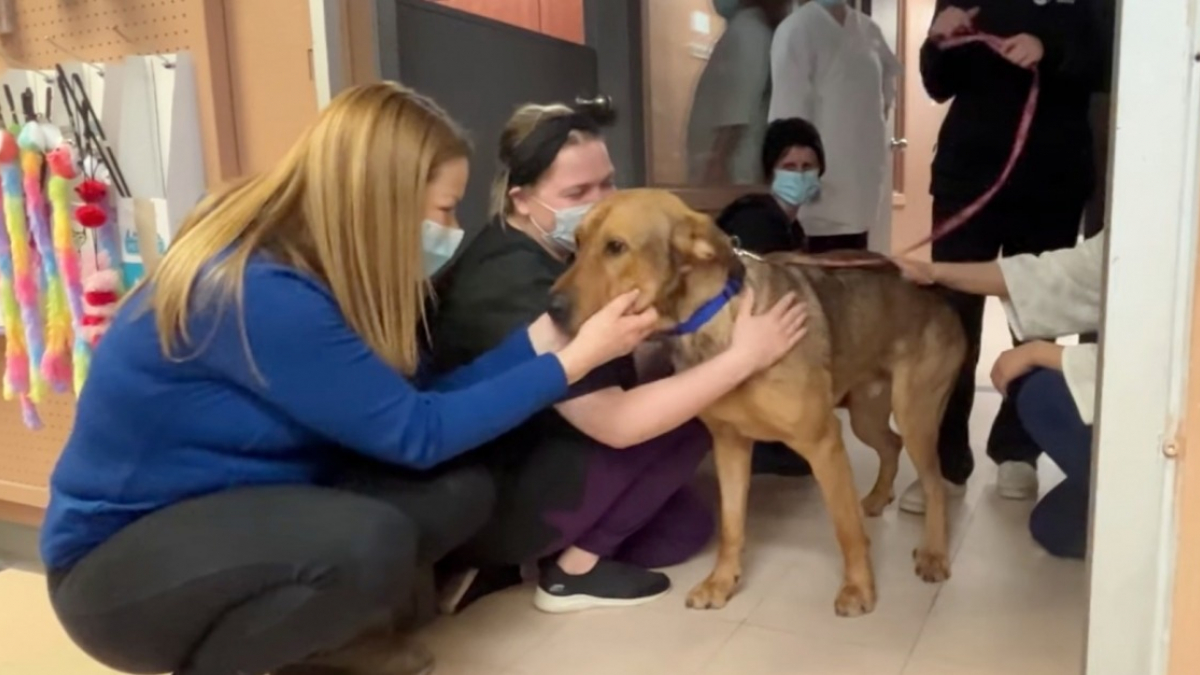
[614, 247]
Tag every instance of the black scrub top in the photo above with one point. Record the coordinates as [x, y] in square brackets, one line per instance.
[760, 225]
[988, 95]
[500, 283]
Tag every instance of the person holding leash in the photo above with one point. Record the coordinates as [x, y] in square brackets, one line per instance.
[1051, 387]
[248, 482]
[596, 491]
[1041, 205]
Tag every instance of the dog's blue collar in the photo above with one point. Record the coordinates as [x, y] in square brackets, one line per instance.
[708, 310]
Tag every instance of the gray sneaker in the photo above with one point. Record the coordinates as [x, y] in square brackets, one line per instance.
[1017, 480]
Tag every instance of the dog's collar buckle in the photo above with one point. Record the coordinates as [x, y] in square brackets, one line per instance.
[708, 310]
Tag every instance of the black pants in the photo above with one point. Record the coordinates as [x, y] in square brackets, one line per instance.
[1008, 226]
[836, 242]
[253, 579]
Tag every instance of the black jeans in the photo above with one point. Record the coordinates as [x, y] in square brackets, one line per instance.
[1008, 226]
[253, 579]
[836, 242]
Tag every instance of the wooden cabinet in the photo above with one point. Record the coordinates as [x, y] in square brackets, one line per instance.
[274, 96]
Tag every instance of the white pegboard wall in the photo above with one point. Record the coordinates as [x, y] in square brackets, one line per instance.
[52, 31]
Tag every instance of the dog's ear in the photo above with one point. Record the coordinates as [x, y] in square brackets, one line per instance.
[591, 222]
[697, 239]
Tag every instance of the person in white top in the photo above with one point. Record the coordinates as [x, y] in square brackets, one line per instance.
[729, 106]
[1046, 296]
[831, 65]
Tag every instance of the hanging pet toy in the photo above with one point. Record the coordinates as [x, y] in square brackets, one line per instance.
[102, 289]
[55, 365]
[62, 173]
[22, 321]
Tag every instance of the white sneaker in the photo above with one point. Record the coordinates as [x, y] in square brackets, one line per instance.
[1017, 480]
[913, 499]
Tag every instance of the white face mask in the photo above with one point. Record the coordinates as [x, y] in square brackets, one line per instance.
[438, 244]
[566, 222]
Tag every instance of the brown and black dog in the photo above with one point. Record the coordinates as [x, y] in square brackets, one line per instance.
[876, 344]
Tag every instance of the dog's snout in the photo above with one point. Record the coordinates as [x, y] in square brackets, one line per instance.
[560, 309]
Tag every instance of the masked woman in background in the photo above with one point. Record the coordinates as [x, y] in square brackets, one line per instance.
[598, 489]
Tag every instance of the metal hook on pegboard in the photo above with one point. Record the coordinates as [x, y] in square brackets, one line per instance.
[74, 57]
[166, 63]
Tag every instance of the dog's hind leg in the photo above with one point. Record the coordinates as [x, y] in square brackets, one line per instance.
[732, 453]
[819, 440]
[870, 408]
[920, 390]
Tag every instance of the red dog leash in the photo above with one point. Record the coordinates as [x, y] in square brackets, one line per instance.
[959, 219]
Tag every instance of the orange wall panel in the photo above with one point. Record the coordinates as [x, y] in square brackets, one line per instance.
[563, 19]
[523, 13]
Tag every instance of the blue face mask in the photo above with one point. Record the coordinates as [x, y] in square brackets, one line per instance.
[438, 243]
[726, 8]
[796, 187]
[830, 4]
[566, 222]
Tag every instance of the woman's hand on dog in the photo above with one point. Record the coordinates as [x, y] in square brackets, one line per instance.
[610, 333]
[763, 339]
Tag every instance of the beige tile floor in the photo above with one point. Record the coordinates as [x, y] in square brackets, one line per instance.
[1008, 609]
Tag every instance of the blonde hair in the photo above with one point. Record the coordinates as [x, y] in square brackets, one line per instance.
[523, 122]
[344, 205]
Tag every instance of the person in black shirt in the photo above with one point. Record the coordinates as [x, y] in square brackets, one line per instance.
[793, 159]
[1041, 205]
[597, 489]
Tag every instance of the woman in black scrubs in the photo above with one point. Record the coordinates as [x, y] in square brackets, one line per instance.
[597, 489]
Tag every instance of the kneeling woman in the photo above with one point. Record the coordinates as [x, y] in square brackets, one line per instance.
[210, 513]
[598, 489]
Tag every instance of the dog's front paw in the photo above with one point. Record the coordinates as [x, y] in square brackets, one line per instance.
[932, 567]
[855, 601]
[713, 593]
